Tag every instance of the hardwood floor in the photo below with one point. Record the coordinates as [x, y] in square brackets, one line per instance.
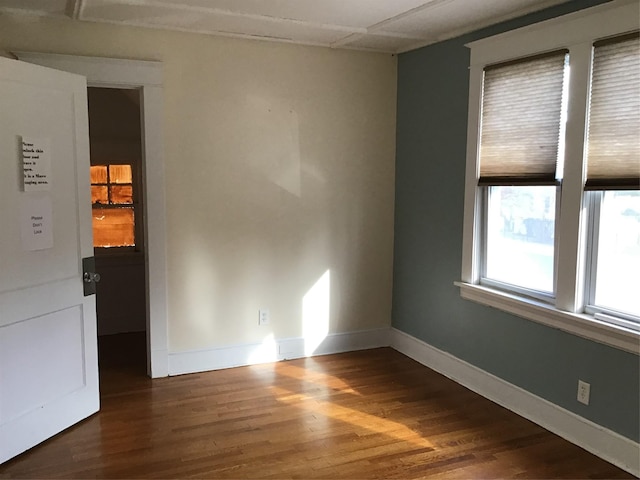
[368, 414]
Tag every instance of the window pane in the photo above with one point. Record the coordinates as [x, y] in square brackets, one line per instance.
[618, 270]
[113, 227]
[120, 173]
[121, 194]
[520, 231]
[99, 194]
[99, 174]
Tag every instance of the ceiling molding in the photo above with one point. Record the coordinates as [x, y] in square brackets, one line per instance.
[431, 4]
[228, 13]
[74, 9]
[220, 33]
[368, 25]
[541, 5]
[21, 12]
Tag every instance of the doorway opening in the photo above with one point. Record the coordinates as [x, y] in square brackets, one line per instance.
[146, 78]
[115, 137]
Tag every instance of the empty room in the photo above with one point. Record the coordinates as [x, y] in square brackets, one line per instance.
[303, 239]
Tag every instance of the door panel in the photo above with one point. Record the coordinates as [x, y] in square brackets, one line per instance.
[55, 124]
[55, 371]
[48, 343]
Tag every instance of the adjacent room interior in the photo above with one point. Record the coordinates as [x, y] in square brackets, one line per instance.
[118, 233]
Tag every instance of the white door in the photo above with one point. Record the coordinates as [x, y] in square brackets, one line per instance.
[48, 342]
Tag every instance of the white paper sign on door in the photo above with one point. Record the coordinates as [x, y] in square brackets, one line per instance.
[36, 164]
[36, 226]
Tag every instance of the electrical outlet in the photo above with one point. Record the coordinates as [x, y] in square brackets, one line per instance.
[584, 390]
[263, 317]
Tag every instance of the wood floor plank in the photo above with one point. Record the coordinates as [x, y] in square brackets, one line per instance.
[368, 414]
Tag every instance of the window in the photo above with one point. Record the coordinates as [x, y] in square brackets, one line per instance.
[552, 190]
[613, 178]
[113, 206]
[523, 108]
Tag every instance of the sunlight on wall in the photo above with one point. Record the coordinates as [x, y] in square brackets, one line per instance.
[267, 351]
[315, 313]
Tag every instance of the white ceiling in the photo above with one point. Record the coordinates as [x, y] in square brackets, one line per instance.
[392, 26]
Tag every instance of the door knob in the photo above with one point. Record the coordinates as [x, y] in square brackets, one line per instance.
[91, 277]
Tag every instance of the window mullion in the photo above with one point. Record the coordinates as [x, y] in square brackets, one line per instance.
[572, 227]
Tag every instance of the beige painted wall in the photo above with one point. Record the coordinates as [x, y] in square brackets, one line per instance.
[279, 168]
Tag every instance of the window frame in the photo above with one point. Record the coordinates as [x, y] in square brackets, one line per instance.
[135, 206]
[576, 32]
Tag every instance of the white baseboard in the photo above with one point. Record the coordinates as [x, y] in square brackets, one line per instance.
[159, 366]
[274, 350]
[600, 441]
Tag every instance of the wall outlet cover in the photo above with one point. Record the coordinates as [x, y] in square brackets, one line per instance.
[584, 392]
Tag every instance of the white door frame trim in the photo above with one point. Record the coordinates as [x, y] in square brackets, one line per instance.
[146, 76]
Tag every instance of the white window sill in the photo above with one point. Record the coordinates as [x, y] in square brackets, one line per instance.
[583, 325]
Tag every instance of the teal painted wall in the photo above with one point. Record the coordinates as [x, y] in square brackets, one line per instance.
[433, 85]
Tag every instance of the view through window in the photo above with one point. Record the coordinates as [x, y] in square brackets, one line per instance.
[112, 206]
[520, 234]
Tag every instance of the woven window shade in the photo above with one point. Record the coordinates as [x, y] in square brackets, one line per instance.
[521, 115]
[613, 149]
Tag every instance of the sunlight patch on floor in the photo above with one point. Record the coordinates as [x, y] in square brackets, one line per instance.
[318, 378]
[365, 421]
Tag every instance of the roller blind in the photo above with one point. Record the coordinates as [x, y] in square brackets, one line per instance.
[613, 147]
[521, 120]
